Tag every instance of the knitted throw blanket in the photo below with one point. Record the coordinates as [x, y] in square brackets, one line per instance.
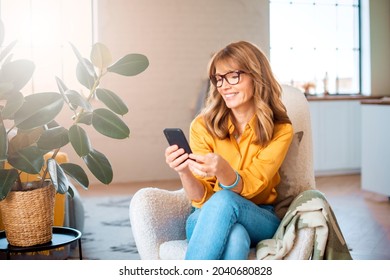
[309, 209]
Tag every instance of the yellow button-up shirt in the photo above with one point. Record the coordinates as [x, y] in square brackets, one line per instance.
[258, 166]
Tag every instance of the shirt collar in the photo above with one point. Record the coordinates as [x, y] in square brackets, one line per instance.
[251, 124]
[230, 125]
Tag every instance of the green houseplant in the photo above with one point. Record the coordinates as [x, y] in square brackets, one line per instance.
[29, 130]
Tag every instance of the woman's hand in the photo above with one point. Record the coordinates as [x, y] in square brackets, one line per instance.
[208, 165]
[179, 160]
[176, 158]
[213, 165]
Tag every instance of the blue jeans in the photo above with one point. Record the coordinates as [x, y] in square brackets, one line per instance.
[227, 226]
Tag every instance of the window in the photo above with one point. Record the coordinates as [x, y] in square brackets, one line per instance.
[43, 31]
[315, 44]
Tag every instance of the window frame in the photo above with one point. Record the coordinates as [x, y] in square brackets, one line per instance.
[358, 49]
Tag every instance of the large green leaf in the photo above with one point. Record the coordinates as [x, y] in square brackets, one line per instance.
[85, 64]
[84, 77]
[38, 109]
[130, 65]
[109, 124]
[17, 72]
[77, 173]
[85, 117]
[62, 88]
[24, 138]
[61, 85]
[79, 140]
[53, 138]
[52, 124]
[112, 101]
[29, 160]
[3, 141]
[85, 71]
[58, 176]
[7, 179]
[14, 103]
[99, 165]
[100, 56]
[77, 100]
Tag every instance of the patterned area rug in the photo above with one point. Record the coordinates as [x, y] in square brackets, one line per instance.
[107, 230]
[107, 234]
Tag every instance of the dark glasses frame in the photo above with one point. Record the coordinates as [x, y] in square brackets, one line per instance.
[213, 78]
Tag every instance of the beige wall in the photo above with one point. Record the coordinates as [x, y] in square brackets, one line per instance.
[178, 37]
[380, 47]
[375, 47]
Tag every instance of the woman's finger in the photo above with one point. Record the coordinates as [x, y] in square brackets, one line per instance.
[177, 158]
[173, 155]
[181, 163]
[169, 150]
[199, 166]
[198, 158]
[197, 171]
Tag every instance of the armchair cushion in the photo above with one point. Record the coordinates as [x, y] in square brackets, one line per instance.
[297, 171]
[156, 216]
[173, 250]
[176, 250]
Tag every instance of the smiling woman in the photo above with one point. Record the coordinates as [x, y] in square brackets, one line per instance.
[238, 144]
[42, 30]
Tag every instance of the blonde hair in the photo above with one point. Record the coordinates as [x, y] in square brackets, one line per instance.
[267, 92]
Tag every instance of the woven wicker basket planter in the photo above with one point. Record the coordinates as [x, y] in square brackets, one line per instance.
[28, 216]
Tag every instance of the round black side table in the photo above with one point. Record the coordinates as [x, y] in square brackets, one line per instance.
[61, 236]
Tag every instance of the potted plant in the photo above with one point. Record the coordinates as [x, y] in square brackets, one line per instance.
[31, 138]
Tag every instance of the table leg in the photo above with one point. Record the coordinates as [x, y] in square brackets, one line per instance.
[80, 249]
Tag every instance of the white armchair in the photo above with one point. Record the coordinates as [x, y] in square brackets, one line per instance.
[158, 216]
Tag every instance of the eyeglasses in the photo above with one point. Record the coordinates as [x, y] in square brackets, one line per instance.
[232, 77]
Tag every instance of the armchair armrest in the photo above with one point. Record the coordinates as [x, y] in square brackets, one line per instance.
[157, 216]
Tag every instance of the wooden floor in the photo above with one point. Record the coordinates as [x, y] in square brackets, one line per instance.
[364, 218]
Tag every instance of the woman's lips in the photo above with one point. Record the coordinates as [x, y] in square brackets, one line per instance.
[230, 95]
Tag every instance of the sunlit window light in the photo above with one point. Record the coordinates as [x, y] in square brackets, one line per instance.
[315, 44]
[44, 30]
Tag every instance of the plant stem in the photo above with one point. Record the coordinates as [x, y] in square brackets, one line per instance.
[19, 184]
[91, 93]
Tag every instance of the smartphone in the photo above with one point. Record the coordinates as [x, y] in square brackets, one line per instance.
[176, 136]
